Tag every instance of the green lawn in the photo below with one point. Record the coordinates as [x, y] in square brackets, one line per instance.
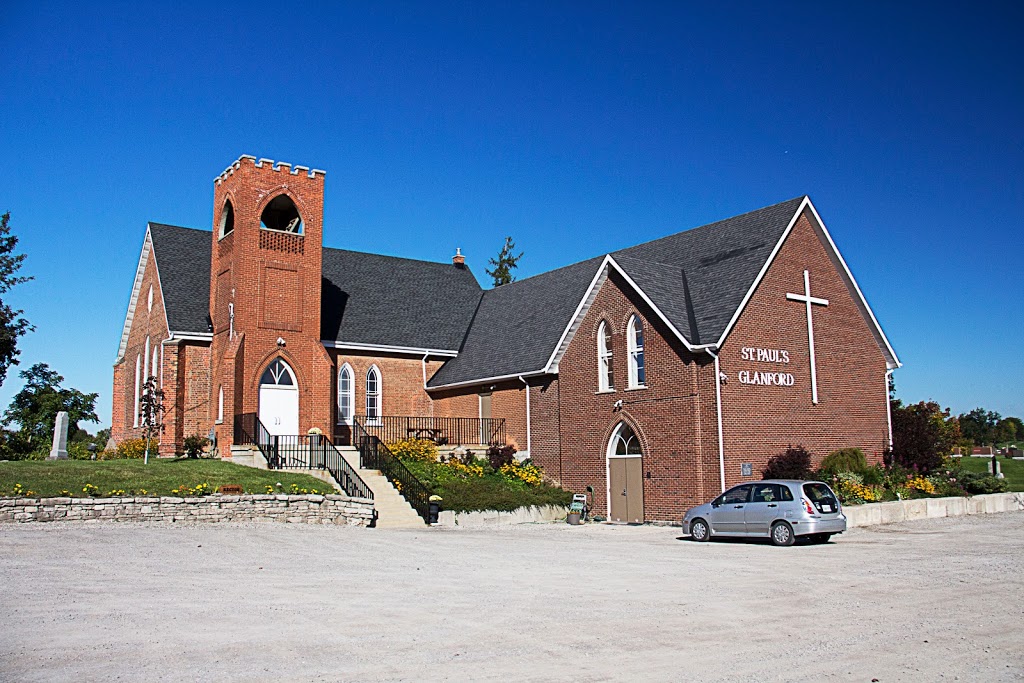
[1012, 469]
[50, 478]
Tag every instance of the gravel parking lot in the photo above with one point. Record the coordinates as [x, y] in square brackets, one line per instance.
[932, 600]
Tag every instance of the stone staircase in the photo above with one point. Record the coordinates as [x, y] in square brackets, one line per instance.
[393, 511]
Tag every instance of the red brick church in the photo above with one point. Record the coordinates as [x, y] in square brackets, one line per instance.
[659, 374]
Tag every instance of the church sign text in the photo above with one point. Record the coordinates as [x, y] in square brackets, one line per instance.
[778, 379]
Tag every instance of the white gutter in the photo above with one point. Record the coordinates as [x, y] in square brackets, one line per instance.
[489, 380]
[888, 405]
[718, 400]
[529, 445]
[351, 346]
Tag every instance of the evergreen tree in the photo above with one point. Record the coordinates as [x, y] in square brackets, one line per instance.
[505, 264]
[12, 325]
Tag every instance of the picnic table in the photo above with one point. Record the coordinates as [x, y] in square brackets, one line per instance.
[430, 433]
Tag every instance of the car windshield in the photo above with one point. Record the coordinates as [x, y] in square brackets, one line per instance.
[821, 497]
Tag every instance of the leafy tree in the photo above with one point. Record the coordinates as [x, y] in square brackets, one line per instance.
[151, 408]
[979, 426]
[922, 434]
[505, 264]
[794, 463]
[1017, 426]
[12, 325]
[34, 408]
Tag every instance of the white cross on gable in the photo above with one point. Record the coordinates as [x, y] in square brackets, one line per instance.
[807, 299]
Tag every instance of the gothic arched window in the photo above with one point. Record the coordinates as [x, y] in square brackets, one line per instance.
[346, 394]
[635, 338]
[373, 391]
[605, 379]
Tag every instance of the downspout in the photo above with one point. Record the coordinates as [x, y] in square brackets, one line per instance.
[718, 401]
[888, 406]
[529, 445]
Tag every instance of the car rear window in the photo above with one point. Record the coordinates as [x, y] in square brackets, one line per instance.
[821, 497]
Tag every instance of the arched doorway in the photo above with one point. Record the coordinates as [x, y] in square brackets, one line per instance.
[279, 399]
[625, 476]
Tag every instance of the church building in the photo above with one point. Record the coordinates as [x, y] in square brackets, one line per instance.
[658, 375]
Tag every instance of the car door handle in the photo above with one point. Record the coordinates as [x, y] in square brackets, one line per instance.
[772, 505]
[737, 507]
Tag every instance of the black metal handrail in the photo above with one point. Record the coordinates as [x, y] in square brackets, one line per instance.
[455, 431]
[300, 451]
[374, 455]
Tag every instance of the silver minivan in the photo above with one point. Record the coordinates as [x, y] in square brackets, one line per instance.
[780, 509]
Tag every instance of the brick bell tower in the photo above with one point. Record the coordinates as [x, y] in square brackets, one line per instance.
[265, 269]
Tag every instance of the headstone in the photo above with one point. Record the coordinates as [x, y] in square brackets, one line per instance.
[60, 438]
[995, 469]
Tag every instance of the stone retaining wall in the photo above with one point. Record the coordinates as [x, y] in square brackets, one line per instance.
[303, 509]
[926, 508]
[523, 515]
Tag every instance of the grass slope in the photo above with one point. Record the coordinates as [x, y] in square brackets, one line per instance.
[48, 478]
[1013, 470]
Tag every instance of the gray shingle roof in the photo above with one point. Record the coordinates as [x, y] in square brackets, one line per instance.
[518, 325]
[183, 257]
[366, 299]
[697, 278]
[389, 301]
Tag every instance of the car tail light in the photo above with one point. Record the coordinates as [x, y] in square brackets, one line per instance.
[808, 507]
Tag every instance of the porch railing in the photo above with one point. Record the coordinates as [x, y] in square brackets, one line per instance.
[454, 431]
[375, 455]
[300, 451]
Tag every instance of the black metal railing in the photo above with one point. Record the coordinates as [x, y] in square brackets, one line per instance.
[374, 455]
[454, 431]
[300, 451]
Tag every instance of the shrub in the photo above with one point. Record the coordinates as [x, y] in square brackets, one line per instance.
[194, 445]
[131, 449]
[974, 483]
[843, 460]
[795, 463]
[874, 475]
[422, 450]
[500, 456]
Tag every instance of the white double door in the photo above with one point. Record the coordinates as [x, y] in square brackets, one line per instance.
[279, 409]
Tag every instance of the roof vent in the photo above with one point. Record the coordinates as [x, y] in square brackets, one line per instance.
[459, 260]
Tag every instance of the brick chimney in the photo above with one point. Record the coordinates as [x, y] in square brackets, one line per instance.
[459, 261]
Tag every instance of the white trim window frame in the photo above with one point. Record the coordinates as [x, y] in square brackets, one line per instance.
[605, 368]
[635, 340]
[373, 396]
[346, 394]
[220, 405]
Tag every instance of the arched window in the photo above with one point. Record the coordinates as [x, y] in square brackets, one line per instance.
[281, 214]
[278, 373]
[220, 405]
[149, 299]
[227, 219]
[138, 376]
[153, 368]
[373, 395]
[635, 335]
[346, 394]
[145, 363]
[605, 379]
[624, 442]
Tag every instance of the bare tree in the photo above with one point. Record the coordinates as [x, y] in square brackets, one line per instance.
[152, 406]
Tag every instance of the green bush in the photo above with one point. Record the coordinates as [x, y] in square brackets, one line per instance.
[843, 460]
[194, 445]
[974, 483]
[874, 475]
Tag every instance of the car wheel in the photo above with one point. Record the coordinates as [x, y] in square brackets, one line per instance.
[820, 538]
[782, 534]
[699, 530]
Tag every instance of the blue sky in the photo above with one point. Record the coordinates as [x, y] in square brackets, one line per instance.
[577, 128]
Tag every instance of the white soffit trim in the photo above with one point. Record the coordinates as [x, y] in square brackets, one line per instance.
[892, 360]
[189, 336]
[147, 247]
[587, 302]
[351, 346]
[488, 380]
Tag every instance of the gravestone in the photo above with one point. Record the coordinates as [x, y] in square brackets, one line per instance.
[60, 438]
[995, 469]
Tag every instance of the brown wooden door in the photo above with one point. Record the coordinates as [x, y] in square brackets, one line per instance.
[626, 490]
